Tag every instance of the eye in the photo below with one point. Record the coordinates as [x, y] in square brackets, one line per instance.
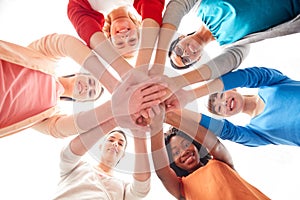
[91, 82]
[221, 96]
[92, 93]
[186, 60]
[175, 154]
[121, 144]
[132, 41]
[219, 109]
[178, 50]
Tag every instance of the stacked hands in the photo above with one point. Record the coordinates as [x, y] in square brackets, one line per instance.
[143, 97]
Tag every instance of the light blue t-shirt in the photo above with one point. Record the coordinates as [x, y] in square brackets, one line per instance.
[231, 20]
[279, 123]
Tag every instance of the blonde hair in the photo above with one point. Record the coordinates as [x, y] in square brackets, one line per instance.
[107, 24]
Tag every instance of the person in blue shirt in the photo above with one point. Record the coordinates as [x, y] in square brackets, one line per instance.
[275, 111]
[229, 22]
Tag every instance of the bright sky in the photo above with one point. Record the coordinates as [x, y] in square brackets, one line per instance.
[29, 160]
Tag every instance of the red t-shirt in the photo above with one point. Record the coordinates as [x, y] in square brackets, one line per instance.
[87, 21]
[24, 93]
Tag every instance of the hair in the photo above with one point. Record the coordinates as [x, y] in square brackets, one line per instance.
[107, 24]
[172, 46]
[210, 106]
[64, 98]
[203, 153]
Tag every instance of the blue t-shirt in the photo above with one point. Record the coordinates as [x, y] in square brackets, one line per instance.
[231, 20]
[279, 123]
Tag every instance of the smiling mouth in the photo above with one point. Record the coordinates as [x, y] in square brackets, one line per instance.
[231, 104]
[189, 157]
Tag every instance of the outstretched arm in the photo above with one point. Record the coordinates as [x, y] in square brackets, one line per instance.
[151, 13]
[125, 102]
[159, 155]
[229, 60]
[56, 46]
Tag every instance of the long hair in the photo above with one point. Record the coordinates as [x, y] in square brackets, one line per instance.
[203, 153]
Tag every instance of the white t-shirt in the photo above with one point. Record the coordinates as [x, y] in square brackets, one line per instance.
[80, 180]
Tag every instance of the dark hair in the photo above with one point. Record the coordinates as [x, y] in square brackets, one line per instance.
[203, 153]
[172, 46]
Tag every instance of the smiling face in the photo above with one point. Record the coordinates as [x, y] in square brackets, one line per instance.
[124, 36]
[185, 154]
[86, 87]
[187, 51]
[227, 103]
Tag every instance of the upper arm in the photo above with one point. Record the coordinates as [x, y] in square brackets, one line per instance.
[253, 77]
[176, 10]
[57, 46]
[230, 59]
[68, 160]
[150, 9]
[85, 19]
[229, 131]
[170, 180]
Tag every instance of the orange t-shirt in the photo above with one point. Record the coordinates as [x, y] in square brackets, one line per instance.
[24, 93]
[217, 181]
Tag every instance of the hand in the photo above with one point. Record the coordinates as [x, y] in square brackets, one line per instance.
[178, 100]
[130, 122]
[131, 96]
[157, 115]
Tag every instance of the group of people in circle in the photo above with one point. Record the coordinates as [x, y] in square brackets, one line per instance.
[189, 158]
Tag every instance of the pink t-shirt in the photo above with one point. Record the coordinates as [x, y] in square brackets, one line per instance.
[24, 93]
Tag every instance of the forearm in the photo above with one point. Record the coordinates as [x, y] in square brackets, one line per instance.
[195, 76]
[211, 87]
[98, 70]
[103, 47]
[142, 165]
[149, 33]
[82, 143]
[166, 34]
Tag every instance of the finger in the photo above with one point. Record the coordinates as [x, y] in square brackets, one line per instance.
[144, 114]
[156, 109]
[151, 113]
[149, 104]
[155, 96]
[153, 87]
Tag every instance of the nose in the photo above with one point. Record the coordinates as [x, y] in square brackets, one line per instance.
[115, 144]
[124, 35]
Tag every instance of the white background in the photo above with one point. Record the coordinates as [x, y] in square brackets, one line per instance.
[29, 160]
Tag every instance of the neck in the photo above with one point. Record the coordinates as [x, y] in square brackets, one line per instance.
[67, 84]
[107, 169]
[252, 105]
[203, 35]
